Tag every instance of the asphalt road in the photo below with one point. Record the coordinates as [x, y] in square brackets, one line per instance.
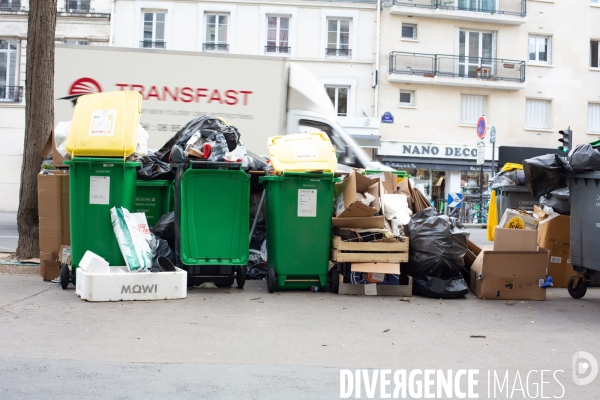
[8, 231]
[248, 344]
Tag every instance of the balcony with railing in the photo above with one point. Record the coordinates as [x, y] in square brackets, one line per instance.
[215, 47]
[278, 49]
[77, 6]
[513, 12]
[10, 5]
[452, 70]
[153, 44]
[11, 94]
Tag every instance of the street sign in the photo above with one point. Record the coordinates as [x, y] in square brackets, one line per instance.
[493, 135]
[481, 127]
[454, 199]
[387, 118]
[480, 152]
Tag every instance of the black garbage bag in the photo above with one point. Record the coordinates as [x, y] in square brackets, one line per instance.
[449, 288]
[258, 236]
[219, 148]
[163, 249]
[256, 268]
[153, 169]
[438, 244]
[165, 228]
[546, 173]
[558, 199]
[203, 124]
[584, 157]
[508, 178]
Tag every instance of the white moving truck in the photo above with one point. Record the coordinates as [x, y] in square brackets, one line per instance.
[261, 96]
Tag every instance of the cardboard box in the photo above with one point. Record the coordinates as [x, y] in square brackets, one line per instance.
[347, 204]
[388, 181]
[554, 234]
[49, 266]
[50, 148]
[510, 275]
[377, 222]
[515, 239]
[53, 210]
[403, 289]
[518, 219]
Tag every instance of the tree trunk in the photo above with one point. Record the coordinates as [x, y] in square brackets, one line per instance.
[39, 118]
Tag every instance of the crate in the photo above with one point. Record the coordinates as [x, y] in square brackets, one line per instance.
[365, 252]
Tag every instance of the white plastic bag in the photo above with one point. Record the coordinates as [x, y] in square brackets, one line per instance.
[396, 207]
[141, 148]
[61, 133]
[133, 236]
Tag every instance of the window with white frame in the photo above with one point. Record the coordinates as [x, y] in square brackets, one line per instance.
[594, 53]
[154, 30]
[471, 108]
[278, 35]
[217, 26]
[594, 117]
[407, 98]
[77, 41]
[537, 114]
[409, 31]
[540, 49]
[338, 37]
[339, 97]
[595, 1]
[9, 91]
[78, 5]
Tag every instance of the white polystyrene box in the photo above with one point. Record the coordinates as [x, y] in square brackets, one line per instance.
[124, 285]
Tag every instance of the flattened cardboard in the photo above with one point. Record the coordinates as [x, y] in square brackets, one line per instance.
[554, 234]
[515, 239]
[377, 222]
[504, 275]
[347, 204]
[376, 268]
[50, 148]
[53, 210]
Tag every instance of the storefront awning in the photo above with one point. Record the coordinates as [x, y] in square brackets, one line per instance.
[438, 164]
[368, 141]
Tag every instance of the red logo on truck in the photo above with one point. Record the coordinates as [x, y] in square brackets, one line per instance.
[85, 86]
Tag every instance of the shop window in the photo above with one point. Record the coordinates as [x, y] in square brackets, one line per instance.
[471, 108]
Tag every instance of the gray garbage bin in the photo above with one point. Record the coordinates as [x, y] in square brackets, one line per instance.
[514, 197]
[585, 231]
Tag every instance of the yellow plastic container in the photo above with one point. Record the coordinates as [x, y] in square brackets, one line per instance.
[302, 152]
[105, 125]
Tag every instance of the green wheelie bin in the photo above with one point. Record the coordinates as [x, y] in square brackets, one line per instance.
[154, 198]
[212, 222]
[95, 186]
[299, 210]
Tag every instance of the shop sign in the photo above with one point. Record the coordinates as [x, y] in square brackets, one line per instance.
[429, 150]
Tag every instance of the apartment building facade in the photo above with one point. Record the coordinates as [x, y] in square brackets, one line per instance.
[84, 22]
[331, 39]
[530, 67]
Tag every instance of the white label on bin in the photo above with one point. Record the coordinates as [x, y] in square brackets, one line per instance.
[103, 123]
[304, 150]
[378, 277]
[557, 260]
[99, 189]
[307, 203]
[371, 289]
[568, 261]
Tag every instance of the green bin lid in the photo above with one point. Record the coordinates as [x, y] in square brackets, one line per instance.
[158, 182]
[102, 160]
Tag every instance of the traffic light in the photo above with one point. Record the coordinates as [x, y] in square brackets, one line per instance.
[566, 140]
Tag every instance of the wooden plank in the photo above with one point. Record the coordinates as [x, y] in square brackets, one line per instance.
[338, 256]
[382, 290]
[336, 243]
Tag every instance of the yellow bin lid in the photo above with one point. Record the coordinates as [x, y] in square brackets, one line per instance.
[105, 124]
[302, 152]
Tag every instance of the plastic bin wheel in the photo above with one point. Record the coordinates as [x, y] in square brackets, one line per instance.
[64, 276]
[578, 291]
[241, 276]
[334, 285]
[271, 280]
